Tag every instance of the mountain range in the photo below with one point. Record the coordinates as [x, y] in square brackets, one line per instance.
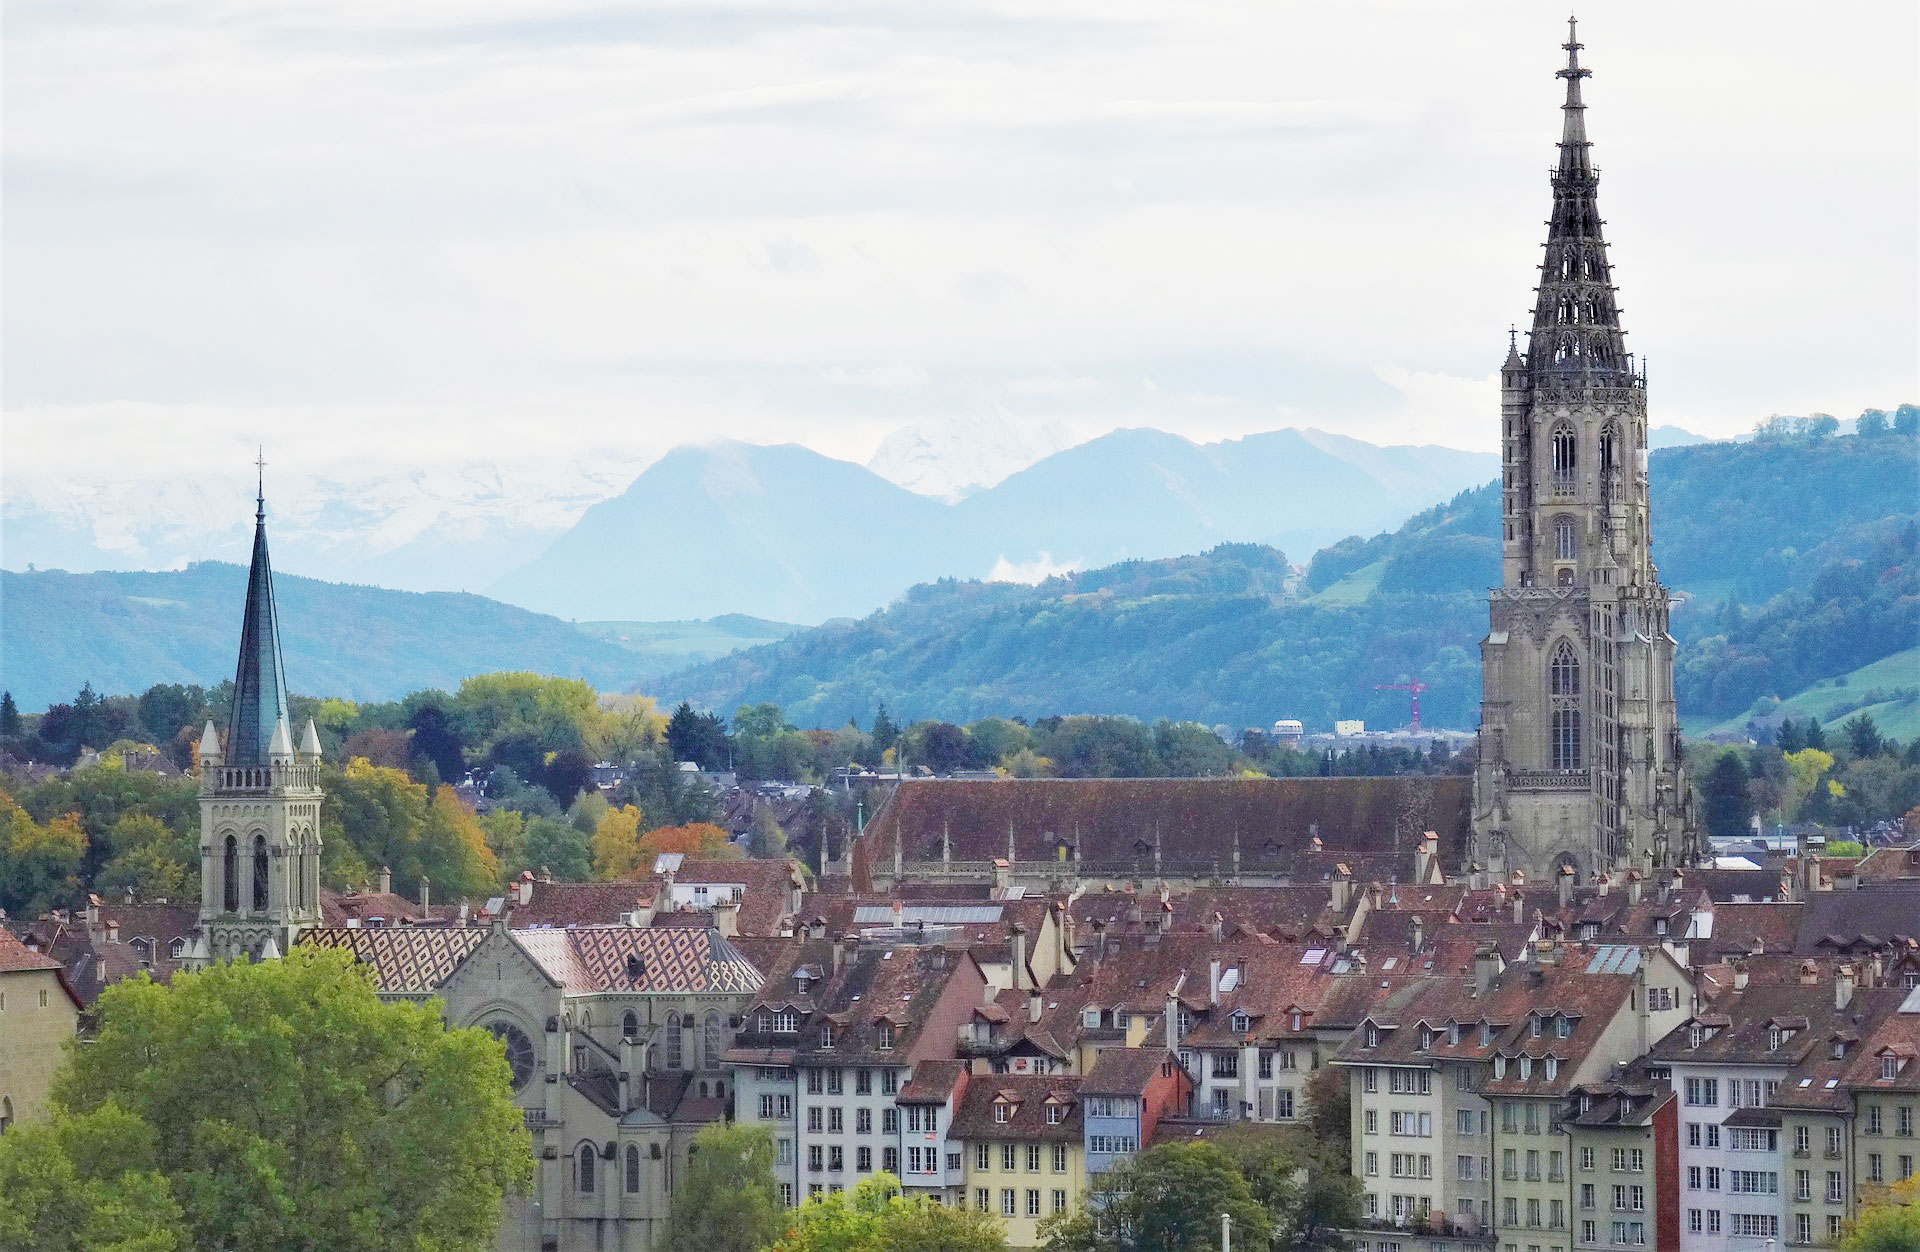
[787, 533]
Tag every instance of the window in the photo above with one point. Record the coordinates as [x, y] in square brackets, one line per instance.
[814, 1116]
[889, 1082]
[1702, 1092]
[785, 1022]
[982, 1156]
[1803, 1228]
[1059, 1201]
[584, 1170]
[1564, 456]
[1463, 1168]
[1370, 1122]
[1836, 1188]
[836, 1121]
[1752, 1139]
[633, 1170]
[1033, 1158]
[1009, 1154]
[1873, 1168]
[1833, 1141]
[982, 1199]
[863, 1121]
[1033, 1202]
[1373, 1164]
[1873, 1119]
[1586, 1195]
[883, 1040]
[1803, 1184]
[826, 1034]
[1054, 1114]
[1564, 688]
[672, 1058]
[1903, 1120]
[1756, 1225]
[1753, 1182]
[1563, 541]
[629, 1025]
[230, 876]
[261, 876]
[1226, 1064]
[1713, 1178]
[863, 1159]
[816, 1157]
[1059, 1158]
[786, 1195]
[1007, 1202]
[1693, 1178]
[1463, 1122]
[836, 1158]
[863, 1082]
[1586, 1160]
[836, 1082]
[1629, 1160]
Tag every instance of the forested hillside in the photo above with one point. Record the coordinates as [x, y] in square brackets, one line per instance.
[1792, 557]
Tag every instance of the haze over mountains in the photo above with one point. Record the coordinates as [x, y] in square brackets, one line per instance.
[786, 533]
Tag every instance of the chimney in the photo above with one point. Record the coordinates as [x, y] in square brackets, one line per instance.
[386, 880]
[1099, 939]
[1519, 908]
[1633, 886]
[843, 951]
[1035, 1002]
[523, 890]
[1566, 885]
[1605, 882]
[1342, 887]
[726, 917]
[1216, 925]
[1002, 876]
[1843, 987]
[1018, 942]
[1809, 973]
[1486, 963]
[1172, 1014]
[1739, 975]
[1213, 982]
[1165, 918]
[546, 874]
[1424, 858]
[113, 930]
[1133, 908]
[1419, 933]
[899, 915]
[425, 896]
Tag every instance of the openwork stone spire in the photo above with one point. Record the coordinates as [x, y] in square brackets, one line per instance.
[259, 684]
[1576, 333]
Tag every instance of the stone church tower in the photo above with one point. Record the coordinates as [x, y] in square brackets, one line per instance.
[259, 800]
[1579, 741]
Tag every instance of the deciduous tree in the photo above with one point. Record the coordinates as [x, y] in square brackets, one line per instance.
[1165, 1199]
[727, 1199]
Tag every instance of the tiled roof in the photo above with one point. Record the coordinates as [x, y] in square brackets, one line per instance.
[1727, 886]
[581, 903]
[1804, 1012]
[405, 959]
[1738, 927]
[339, 907]
[933, 1082]
[1852, 920]
[1125, 1071]
[586, 959]
[764, 905]
[900, 984]
[17, 957]
[1026, 1098]
[1116, 824]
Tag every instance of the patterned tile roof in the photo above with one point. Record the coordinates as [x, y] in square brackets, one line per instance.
[405, 959]
[586, 959]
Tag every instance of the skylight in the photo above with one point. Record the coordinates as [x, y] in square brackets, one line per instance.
[1313, 956]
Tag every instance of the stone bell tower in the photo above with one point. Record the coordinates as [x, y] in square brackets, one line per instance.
[259, 799]
[1579, 738]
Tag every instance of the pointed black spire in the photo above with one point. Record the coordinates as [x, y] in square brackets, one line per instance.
[260, 684]
[1576, 331]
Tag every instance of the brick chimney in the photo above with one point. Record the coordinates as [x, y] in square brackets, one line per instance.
[386, 880]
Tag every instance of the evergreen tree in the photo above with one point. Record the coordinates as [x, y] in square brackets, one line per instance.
[765, 839]
[1789, 738]
[885, 733]
[1864, 738]
[1814, 736]
[9, 717]
[1728, 808]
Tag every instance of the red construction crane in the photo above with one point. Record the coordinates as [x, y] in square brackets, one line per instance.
[1416, 687]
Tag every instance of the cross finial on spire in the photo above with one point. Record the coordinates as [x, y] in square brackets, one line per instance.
[260, 497]
[1573, 72]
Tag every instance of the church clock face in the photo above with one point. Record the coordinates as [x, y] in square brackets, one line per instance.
[519, 1051]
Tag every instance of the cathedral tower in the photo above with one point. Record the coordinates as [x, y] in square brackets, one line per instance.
[1579, 740]
[260, 799]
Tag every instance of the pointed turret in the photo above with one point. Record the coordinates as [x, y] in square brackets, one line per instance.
[280, 747]
[209, 744]
[260, 684]
[1576, 324]
[310, 743]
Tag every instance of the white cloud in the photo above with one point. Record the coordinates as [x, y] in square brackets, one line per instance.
[559, 237]
[1031, 572]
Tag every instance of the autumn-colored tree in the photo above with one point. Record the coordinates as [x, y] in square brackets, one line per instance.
[391, 748]
[1805, 769]
[387, 819]
[696, 839]
[616, 843]
[40, 863]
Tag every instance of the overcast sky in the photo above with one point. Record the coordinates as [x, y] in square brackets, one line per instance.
[548, 233]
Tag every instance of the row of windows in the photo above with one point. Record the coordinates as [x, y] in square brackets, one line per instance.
[832, 1159]
[831, 1119]
[1010, 1201]
[1010, 1155]
[833, 1082]
[3, 1001]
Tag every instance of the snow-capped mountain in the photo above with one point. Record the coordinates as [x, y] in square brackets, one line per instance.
[951, 458]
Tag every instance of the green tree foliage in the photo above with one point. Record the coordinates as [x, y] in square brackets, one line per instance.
[727, 1199]
[40, 863]
[287, 1107]
[1893, 1225]
[150, 861]
[875, 1217]
[698, 737]
[1728, 806]
[1304, 1182]
[88, 1182]
[558, 848]
[9, 716]
[1863, 737]
[1165, 1199]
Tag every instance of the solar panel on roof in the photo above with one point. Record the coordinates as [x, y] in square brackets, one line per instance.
[931, 914]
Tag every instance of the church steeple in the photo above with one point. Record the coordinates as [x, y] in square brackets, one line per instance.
[259, 683]
[1576, 333]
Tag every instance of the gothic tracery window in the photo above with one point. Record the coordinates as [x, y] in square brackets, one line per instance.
[633, 1170]
[1564, 457]
[1564, 542]
[672, 1060]
[230, 876]
[585, 1177]
[714, 1043]
[1563, 689]
[1609, 449]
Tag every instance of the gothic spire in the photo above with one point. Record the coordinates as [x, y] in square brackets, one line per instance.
[259, 685]
[1576, 336]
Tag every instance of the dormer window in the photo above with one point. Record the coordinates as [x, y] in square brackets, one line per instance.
[1453, 1034]
[1562, 1027]
[1296, 1021]
[1553, 1067]
[1839, 1049]
[1373, 1035]
[1486, 1033]
[1090, 1018]
[1773, 1038]
[826, 1035]
[1695, 1036]
[1659, 925]
[884, 1039]
[1586, 1103]
[1240, 1023]
[1055, 1114]
[1889, 1066]
[1499, 1067]
[785, 1022]
[1533, 1025]
[1526, 1067]
[1426, 1038]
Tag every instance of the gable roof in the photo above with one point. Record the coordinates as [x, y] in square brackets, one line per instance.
[406, 960]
